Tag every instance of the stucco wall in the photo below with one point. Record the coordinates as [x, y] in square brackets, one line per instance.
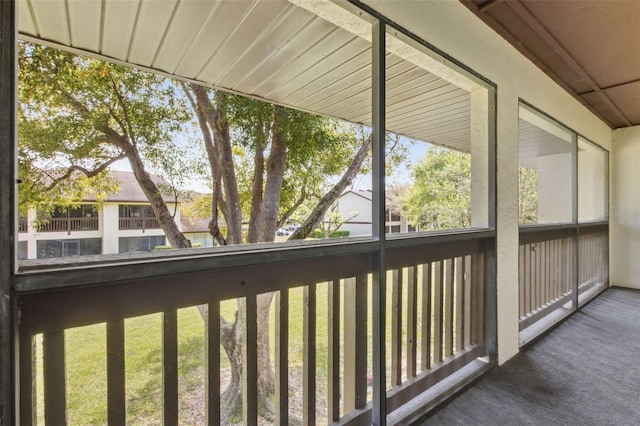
[625, 208]
[451, 27]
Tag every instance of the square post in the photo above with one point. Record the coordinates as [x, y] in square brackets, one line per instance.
[378, 180]
[8, 226]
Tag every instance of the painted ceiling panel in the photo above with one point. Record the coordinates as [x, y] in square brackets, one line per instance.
[52, 20]
[225, 17]
[85, 22]
[188, 19]
[268, 49]
[153, 21]
[25, 22]
[119, 23]
[263, 17]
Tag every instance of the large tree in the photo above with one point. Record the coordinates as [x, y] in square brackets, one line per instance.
[79, 115]
[284, 156]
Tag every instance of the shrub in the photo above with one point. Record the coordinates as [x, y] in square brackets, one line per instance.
[165, 247]
[335, 234]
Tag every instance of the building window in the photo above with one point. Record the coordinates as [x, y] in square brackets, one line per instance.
[23, 250]
[130, 244]
[64, 248]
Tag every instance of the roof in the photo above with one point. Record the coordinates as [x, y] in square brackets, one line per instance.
[188, 224]
[590, 48]
[367, 194]
[129, 188]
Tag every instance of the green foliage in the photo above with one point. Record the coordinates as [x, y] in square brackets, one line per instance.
[163, 247]
[81, 114]
[528, 196]
[440, 197]
[334, 234]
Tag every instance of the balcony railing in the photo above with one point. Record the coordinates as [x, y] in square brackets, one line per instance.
[436, 297]
[559, 264]
[128, 223]
[22, 224]
[68, 224]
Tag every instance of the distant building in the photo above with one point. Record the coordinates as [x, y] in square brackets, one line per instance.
[124, 223]
[355, 208]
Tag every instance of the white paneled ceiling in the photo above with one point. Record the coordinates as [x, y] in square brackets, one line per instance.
[272, 50]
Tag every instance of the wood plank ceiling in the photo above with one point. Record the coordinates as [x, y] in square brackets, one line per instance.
[272, 50]
[590, 48]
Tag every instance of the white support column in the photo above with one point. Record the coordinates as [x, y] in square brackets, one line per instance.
[479, 158]
[507, 225]
[109, 227]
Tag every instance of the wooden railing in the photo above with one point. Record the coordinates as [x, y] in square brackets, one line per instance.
[593, 260]
[22, 224]
[68, 224]
[128, 223]
[439, 329]
[554, 262]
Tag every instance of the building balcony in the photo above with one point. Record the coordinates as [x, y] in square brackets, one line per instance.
[134, 223]
[68, 224]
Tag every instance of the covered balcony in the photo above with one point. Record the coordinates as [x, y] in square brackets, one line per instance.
[370, 330]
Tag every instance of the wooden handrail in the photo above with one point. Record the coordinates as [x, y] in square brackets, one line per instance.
[449, 276]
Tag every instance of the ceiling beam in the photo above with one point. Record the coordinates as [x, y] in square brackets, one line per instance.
[555, 45]
[614, 86]
[485, 7]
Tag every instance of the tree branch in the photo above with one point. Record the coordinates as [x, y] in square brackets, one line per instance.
[87, 173]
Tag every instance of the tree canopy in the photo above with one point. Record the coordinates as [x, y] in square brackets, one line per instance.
[440, 194]
[77, 116]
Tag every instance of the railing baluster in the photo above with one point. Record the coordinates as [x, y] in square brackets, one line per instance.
[468, 319]
[250, 361]
[396, 328]
[309, 361]
[55, 405]
[449, 308]
[437, 311]
[412, 320]
[333, 363]
[355, 343]
[212, 329]
[27, 378]
[425, 358]
[530, 250]
[170, 366]
[282, 357]
[116, 373]
[459, 301]
[478, 288]
[545, 273]
[521, 280]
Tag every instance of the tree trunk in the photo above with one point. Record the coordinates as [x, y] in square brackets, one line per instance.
[217, 121]
[231, 338]
[253, 235]
[150, 189]
[276, 165]
[168, 224]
